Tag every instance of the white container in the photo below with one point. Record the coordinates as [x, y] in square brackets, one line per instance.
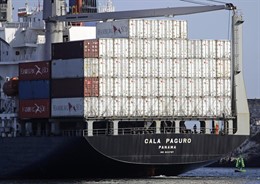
[183, 29]
[121, 106]
[136, 28]
[169, 48]
[136, 87]
[224, 87]
[209, 68]
[165, 28]
[132, 67]
[106, 86]
[194, 49]
[180, 104]
[67, 107]
[150, 87]
[139, 67]
[223, 49]
[151, 66]
[192, 66]
[183, 68]
[180, 87]
[147, 45]
[91, 107]
[121, 68]
[121, 48]
[151, 28]
[180, 48]
[165, 87]
[121, 87]
[106, 48]
[136, 48]
[136, 106]
[227, 106]
[205, 87]
[106, 67]
[176, 29]
[213, 87]
[165, 106]
[180, 29]
[151, 106]
[74, 68]
[169, 68]
[209, 49]
[223, 68]
[106, 107]
[154, 48]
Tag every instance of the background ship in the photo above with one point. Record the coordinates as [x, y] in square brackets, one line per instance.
[122, 102]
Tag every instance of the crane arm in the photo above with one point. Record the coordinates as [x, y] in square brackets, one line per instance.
[91, 17]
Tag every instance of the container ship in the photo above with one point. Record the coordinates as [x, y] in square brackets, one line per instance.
[132, 96]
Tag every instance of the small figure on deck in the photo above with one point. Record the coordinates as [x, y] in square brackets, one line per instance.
[195, 129]
[240, 164]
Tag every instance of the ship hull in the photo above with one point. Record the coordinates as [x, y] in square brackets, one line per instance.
[110, 156]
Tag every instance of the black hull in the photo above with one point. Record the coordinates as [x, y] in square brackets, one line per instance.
[109, 156]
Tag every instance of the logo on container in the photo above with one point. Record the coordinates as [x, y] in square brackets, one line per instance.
[113, 29]
[34, 109]
[68, 107]
[37, 70]
[71, 107]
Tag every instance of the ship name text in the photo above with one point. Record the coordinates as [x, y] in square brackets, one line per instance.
[168, 141]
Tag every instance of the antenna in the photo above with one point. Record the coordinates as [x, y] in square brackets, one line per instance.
[39, 5]
[197, 2]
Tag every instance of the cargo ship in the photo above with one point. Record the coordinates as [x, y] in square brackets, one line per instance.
[132, 98]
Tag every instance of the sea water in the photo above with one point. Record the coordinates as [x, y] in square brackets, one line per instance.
[206, 175]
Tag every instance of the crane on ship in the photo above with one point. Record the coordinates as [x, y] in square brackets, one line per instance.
[54, 15]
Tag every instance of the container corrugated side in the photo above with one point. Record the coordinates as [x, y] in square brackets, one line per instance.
[106, 48]
[91, 87]
[34, 108]
[34, 70]
[165, 29]
[75, 68]
[68, 50]
[209, 49]
[76, 49]
[75, 87]
[34, 89]
[223, 49]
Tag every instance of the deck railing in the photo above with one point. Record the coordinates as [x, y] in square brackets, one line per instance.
[165, 130]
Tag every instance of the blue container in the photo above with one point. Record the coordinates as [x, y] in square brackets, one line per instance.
[34, 89]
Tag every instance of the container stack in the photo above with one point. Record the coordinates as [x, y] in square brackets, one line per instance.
[143, 68]
[34, 90]
[136, 65]
[74, 77]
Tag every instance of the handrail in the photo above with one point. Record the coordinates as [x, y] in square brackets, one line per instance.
[152, 130]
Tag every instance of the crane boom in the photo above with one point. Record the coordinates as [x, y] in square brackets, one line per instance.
[90, 17]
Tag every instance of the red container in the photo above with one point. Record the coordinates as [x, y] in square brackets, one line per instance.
[35, 70]
[91, 87]
[76, 49]
[75, 87]
[34, 108]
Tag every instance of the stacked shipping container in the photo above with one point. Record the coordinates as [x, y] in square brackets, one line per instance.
[34, 89]
[149, 68]
[74, 77]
